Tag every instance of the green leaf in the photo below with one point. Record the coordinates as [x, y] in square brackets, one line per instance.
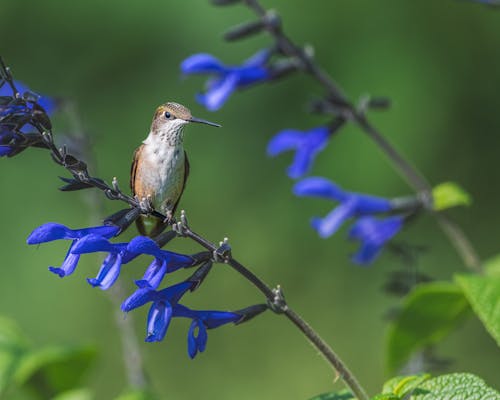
[57, 369]
[402, 386]
[483, 293]
[386, 396]
[13, 346]
[342, 395]
[449, 194]
[460, 386]
[492, 266]
[428, 314]
[76, 394]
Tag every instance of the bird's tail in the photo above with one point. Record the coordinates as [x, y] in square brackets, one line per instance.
[157, 226]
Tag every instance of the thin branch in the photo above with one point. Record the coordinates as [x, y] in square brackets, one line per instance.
[335, 95]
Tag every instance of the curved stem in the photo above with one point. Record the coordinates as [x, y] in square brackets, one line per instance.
[325, 350]
[455, 234]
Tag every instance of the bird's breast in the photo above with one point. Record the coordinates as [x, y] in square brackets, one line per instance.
[160, 175]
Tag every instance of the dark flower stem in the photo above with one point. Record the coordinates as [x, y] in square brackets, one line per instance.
[325, 350]
[349, 111]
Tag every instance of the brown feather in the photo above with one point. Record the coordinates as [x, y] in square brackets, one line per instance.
[139, 222]
[133, 168]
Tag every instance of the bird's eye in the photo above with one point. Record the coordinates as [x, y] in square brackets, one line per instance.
[168, 115]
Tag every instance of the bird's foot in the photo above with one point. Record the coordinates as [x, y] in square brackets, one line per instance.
[181, 226]
[145, 204]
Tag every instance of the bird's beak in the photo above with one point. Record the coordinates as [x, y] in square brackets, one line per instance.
[203, 121]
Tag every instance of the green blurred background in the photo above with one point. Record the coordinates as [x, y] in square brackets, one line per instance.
[439, 61]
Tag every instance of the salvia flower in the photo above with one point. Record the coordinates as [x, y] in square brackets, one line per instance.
[225, 79]
[165, 306]
[164, 262]
[201, 321]
[111, 266]
[122, 253]
[306, 144]
[160, 312]
[351, 205]
[47, 103]
[373, 233]
[52, 231]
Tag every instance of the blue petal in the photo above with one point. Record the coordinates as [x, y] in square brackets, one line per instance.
[68, 266]
[49, 232]
[366, 254]
[373, 234]
[93, 243]
[176, 261]
[108, 231]
[371, 204]
[301, 164]
[258, 59]
[53, 231]
[144, 245]
[201, 63]
[319, 187]
[332, 222]
[155, 272]
[109, 272]
[214, 319]
[141, 296]
[284, 140]
[159, 317]
[5, 150]
[219, 92]
[46, 103]
[247, 76]
[192, 343]
[173, 293]
[202, 337]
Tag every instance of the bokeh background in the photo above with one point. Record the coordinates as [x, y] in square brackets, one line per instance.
[438, 61]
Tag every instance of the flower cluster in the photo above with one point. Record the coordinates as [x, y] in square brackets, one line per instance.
[23, 117]
[165, 302]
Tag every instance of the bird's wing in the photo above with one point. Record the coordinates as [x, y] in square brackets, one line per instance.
[133, 168]
[186, 174]
[186, 169]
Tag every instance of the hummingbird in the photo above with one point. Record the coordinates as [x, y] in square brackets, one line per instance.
[160, 167]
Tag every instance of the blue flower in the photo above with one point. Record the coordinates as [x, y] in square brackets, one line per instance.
[306, 145]
[373, 233]
[111, 266]
[164, 262]
[52, 231]
[203, 320]
[11, 109]
[160, 312]
[352, 205]
[165, 306]
[48, 104]
[226, 79]
[122, 253]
